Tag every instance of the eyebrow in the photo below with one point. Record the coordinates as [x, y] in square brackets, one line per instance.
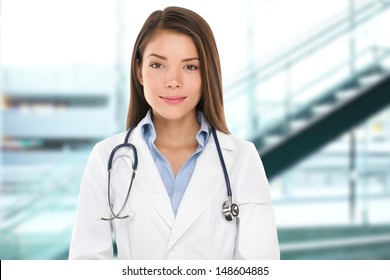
[164, 58]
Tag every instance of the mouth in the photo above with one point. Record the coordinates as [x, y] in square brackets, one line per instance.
[173, 99]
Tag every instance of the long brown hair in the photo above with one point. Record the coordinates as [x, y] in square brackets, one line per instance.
[184, 21]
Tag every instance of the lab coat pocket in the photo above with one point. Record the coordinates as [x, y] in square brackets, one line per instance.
[224, 237]
[124, 235]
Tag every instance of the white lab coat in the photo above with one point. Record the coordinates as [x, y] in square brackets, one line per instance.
[199, 230]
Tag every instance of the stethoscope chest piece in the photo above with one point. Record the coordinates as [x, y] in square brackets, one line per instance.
[230, 210]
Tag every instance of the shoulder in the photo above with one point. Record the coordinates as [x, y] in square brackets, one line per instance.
[119, 138]
[103, 148]
[113, 140]
[245, 154]
[235, 144]
[241, 144]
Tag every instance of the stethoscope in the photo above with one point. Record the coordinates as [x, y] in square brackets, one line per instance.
[230, 210]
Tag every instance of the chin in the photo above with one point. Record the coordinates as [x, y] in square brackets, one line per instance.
[174, 115]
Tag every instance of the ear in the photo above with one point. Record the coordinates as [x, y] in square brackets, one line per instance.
[138, 70]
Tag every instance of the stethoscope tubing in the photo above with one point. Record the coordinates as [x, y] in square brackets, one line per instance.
[221, 159]
[229, 206]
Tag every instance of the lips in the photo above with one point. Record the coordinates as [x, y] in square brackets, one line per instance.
[173, 99]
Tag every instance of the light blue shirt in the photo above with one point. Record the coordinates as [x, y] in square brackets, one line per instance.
[175, 187]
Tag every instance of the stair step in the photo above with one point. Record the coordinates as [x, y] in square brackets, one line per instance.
[346, 93]
[272, 139]
[298, 123]
[322, 108]
[370, 79]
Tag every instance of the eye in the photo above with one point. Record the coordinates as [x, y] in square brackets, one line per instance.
[156, 65]
[191, 67]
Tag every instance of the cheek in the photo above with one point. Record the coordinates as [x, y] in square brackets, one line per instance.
[193, 81]
[151, 82]
[149, 91]
[198, 86]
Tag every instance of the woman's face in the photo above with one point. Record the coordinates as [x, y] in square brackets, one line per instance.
[170, 75]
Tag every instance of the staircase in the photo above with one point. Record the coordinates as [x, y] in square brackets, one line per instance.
[322, 121]
[305, 122]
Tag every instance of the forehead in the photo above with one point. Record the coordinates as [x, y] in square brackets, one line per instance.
[172, 43]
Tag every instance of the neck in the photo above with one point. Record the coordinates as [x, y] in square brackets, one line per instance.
[176, 133]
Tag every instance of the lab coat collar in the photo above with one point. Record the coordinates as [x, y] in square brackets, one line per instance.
[207, 179]
[149, 178]
[205, 183]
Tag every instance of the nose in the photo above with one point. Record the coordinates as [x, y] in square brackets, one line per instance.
[174, 80]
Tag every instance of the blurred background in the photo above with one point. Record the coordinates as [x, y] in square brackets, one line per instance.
[307, 81]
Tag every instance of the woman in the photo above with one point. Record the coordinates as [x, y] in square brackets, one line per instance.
[174, 209]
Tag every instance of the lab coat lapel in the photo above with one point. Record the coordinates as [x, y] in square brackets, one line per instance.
[150, 180]
[206, 181]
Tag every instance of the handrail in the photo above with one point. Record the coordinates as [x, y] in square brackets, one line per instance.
[385, 53]
[309, 45]
[379, 53]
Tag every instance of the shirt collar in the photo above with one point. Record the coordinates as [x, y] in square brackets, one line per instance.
[149, 133]
[203, 134]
